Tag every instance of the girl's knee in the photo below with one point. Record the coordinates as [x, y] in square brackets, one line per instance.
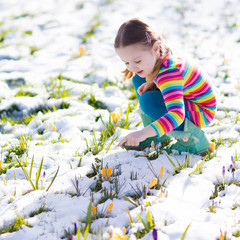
[145, 102]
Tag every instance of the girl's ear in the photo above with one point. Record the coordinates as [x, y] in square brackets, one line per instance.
[156, 48]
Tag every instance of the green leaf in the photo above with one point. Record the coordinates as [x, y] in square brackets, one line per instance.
[53, 179]
[86, 232]
[54, 108]
[185, 232]
[89, 214]
[170, 160]
[26, 175]
[144, 224]
[38, 173]
[149, 219]
[130, 200]
[198, 166]
[31, 166]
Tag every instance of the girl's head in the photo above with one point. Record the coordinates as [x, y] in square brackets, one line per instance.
[140, 48]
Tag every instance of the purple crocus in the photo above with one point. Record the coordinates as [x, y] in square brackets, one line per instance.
[75, 228]
[233, 175]
[145, 191]
[223, 171]
[155, 235]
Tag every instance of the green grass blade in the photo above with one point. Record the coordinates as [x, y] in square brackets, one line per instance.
[31, 167]
[170, 160]
[26, 175]
[130, 200]
[198, 166]
[86, 232]
[185, 232]
[110, 144]
[149, 219]
[53, 178]
[89, 214]
[38, 173]
[127, 114]
[144, 224]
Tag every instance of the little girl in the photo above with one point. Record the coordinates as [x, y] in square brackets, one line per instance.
[175, 95]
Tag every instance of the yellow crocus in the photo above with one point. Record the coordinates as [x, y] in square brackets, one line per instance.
[152, 183]
[109, 209]
[23, 145]
[94, 210]
[162, 172]
[118, 236]
[115, 116]
[221, 237]
[54, 128]
[0, 165]
[104, 172]
[82, 50]
[109, 172]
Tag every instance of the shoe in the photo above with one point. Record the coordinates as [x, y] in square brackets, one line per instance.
[146, 120]
[192, 139]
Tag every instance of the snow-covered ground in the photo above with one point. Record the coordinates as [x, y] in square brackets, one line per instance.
[56, 59]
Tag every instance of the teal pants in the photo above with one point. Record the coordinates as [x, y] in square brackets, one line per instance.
[151, 102]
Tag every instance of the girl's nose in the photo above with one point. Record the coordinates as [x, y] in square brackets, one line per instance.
[133, 68]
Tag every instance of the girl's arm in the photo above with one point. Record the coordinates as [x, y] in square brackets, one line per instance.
[170, 84]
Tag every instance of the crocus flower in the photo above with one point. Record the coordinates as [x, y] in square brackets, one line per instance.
[109, 209]
[23, 145]
[155, 235]
[118, 236]
[94, 210]
[104, 172]
[223, 173]
[82, 50]
[152, 183]
[54, 128]
[109, 172]
[75, 228]
[152, 148]
[47, 126]
[115, 116]
[162, 172]
[221, 237]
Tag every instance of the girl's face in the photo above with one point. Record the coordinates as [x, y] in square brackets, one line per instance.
[138, 59]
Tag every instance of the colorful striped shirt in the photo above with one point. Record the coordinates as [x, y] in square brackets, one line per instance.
[184, 84]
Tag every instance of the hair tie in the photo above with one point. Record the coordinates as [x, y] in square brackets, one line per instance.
[149, 40]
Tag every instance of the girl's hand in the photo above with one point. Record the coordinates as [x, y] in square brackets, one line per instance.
[132, 139]
[147, 86]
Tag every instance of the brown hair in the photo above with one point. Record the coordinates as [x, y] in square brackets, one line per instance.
[136, 31]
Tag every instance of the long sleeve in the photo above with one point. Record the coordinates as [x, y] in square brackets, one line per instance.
[170, 82]
[184, 85]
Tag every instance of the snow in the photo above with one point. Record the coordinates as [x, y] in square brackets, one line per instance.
[40, 42]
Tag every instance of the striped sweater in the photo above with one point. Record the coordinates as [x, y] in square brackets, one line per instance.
[184, 84]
